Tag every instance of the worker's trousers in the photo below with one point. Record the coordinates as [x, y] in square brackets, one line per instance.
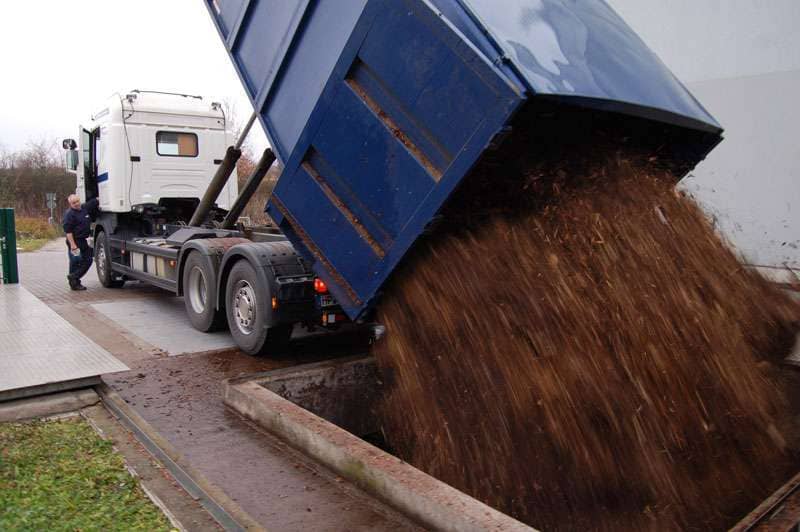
[78, 266]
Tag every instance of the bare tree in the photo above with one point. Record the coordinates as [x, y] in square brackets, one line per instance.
[26, 176]
[235, 123]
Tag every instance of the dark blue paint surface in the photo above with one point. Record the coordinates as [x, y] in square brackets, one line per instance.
[379, 108]
[284, 52]
[395, 130]
[582, 48]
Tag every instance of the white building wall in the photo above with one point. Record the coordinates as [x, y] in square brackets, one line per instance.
[741, 59]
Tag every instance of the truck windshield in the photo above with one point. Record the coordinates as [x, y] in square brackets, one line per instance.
[175, 144]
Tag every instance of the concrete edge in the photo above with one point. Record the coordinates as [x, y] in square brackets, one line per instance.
[200, 484]
[47, 405]
[425, 499]
[275, 374]
[48, 388]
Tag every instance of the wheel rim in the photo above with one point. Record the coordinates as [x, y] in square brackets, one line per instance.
[244, 306]
[197, 290]
[101, 259]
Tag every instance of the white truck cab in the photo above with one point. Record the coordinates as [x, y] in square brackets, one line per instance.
[150, 148]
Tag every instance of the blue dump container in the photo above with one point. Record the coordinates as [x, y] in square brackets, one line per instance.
[379, 109]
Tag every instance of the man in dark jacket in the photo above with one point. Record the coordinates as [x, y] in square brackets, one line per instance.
[77, 226]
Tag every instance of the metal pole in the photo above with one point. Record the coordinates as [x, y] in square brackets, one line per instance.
[246, 130]
[215, 186]
[221, 176]
[249, 188]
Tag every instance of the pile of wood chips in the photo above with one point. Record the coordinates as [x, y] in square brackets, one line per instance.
[600, 361]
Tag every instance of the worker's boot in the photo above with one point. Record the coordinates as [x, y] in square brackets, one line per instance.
[75, 284]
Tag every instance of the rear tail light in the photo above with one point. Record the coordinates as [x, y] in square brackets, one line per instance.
[320, 287]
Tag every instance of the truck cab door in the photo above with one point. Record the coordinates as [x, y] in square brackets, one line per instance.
[87, 165]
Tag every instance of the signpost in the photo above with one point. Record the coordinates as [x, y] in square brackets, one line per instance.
[51, 204]
[8, 247]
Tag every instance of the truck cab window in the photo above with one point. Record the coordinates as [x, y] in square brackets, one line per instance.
[176, 144]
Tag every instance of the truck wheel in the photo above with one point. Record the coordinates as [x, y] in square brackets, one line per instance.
[102, 261]
[250, 316]
[200, 293]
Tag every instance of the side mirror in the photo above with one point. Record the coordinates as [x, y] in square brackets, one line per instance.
[72, 160]
[69, 144]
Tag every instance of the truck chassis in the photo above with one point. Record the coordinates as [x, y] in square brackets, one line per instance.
[251, 280]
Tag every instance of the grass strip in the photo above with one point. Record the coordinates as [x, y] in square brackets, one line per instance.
[61, 475]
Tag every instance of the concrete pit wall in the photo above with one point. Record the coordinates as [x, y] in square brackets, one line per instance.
[346, 391]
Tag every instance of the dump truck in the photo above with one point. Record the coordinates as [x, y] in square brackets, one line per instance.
[378, 111]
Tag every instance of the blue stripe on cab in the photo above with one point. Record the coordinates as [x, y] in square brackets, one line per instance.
[102, 177]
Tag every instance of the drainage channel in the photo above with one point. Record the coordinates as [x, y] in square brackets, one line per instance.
[164, 453]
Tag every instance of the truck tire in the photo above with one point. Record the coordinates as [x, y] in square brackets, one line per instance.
[250, 316]
[200, 293]
[102, 262]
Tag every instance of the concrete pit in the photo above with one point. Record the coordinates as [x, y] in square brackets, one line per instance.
[324, 409]
[328, 411]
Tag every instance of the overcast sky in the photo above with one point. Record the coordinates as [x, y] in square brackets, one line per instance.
[62, 60]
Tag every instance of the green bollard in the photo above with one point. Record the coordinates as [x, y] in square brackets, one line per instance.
[8, 247]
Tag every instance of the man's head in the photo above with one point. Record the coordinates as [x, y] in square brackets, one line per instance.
[74, 201]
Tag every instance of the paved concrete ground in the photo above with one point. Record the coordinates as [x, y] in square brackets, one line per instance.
[44, 273]
[163, 323]
[180, 396]
[40, 351]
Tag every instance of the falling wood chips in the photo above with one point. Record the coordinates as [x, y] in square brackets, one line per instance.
[602, 361]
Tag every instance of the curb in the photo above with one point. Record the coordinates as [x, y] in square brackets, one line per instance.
[47, 405]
